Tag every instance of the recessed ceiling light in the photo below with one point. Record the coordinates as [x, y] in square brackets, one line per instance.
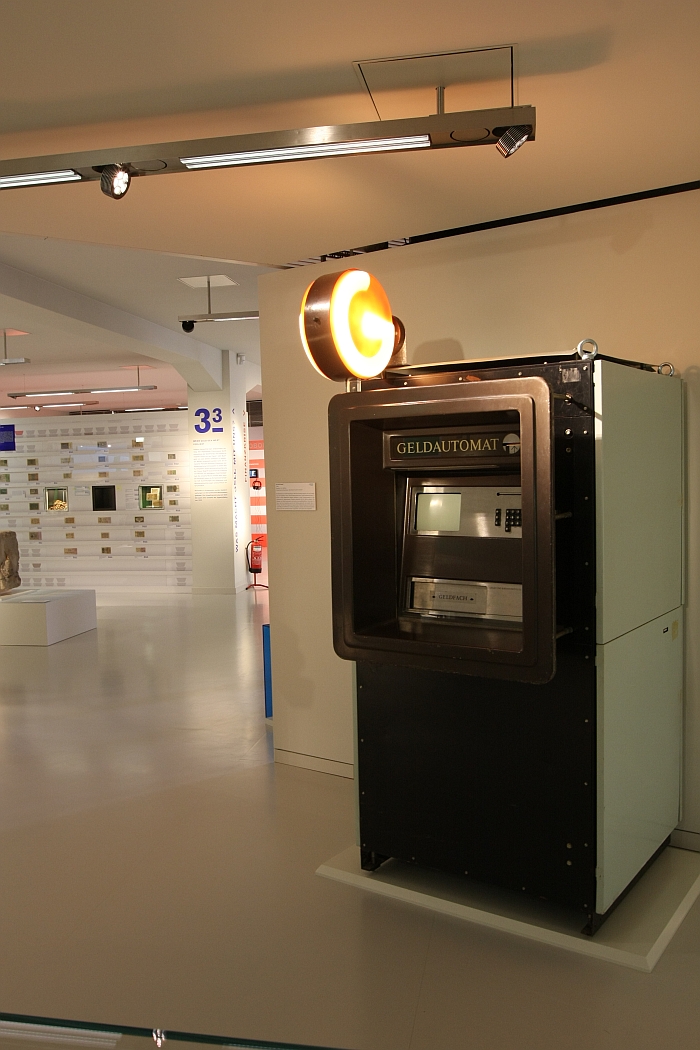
[216, 280]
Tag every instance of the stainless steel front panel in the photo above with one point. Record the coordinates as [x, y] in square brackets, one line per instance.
[487, 601]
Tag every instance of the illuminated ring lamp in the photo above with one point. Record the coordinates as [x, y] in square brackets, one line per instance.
[346, 326]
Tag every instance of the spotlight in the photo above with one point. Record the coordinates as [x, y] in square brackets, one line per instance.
[513, 138]
[115, 181]
[346, 326]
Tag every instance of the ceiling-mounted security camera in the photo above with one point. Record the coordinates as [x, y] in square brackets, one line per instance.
[188, 326]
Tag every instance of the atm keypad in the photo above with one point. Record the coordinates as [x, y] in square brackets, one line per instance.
[514, 518]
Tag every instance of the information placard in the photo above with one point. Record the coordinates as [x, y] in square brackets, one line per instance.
[296, 495]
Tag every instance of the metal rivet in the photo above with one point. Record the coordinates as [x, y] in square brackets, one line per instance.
[523, 887]
[520, 373]
[569, 846]
[466, 873]
[568, 433]
[569, 863]
[586, 657]
[586, 845]
[568, 450]
[585, 719]
[413, 858]
[362, 792]
[585, 431]
[585, 783]
[585, 497]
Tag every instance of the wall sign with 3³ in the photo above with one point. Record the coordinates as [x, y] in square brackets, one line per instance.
[209, 420]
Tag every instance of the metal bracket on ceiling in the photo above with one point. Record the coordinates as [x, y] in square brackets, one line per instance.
[437, 70]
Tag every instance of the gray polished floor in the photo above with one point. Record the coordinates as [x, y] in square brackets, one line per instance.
[157, 870]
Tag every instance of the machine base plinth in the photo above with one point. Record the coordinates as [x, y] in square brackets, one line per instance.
[635, 935]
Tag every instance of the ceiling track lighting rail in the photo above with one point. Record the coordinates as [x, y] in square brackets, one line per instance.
[508, 128]
[188, 321]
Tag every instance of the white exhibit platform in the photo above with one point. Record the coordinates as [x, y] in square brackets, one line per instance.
[635, 935]
[39, 616]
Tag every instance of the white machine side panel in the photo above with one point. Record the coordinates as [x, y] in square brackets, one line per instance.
[639, 495]
[640, 682]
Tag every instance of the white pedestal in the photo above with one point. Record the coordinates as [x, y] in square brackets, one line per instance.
[635, 935]
[42, 617]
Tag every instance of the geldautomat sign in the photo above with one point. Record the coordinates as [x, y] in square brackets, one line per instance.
[455, 445]
[7, 437]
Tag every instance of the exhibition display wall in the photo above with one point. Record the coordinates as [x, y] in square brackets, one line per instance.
[100, 501]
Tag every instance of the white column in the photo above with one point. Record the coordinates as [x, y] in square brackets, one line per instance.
[237, 373]
[220, 499]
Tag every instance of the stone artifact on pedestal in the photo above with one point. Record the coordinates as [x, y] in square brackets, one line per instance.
[9, 562]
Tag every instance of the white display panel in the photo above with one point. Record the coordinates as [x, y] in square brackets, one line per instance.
[148, 548]
[438, 511]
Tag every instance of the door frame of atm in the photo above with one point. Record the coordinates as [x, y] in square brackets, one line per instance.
[531, 397]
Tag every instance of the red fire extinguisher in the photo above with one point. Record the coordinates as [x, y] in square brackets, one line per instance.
[254, 558]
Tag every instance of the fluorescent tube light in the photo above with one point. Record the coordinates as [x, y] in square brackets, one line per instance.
[15, 361]
[308, 152]
[82, 390]
[38, 178]
[117, 390]
[66, 404]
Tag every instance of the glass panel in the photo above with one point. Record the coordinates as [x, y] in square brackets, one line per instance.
[20, 1032]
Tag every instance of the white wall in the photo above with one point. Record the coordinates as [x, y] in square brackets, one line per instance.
[627, 276]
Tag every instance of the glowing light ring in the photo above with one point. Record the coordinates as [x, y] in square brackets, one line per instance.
[346, 326]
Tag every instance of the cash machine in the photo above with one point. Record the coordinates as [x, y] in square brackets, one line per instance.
[507, 576]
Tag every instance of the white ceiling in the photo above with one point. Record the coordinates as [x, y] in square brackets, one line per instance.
[614, 82]
[144, 283]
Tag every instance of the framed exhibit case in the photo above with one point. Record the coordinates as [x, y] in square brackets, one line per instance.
[104, 497]
[151, 497]
[56, 499]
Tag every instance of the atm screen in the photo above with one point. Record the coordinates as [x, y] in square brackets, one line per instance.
[438, 511]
